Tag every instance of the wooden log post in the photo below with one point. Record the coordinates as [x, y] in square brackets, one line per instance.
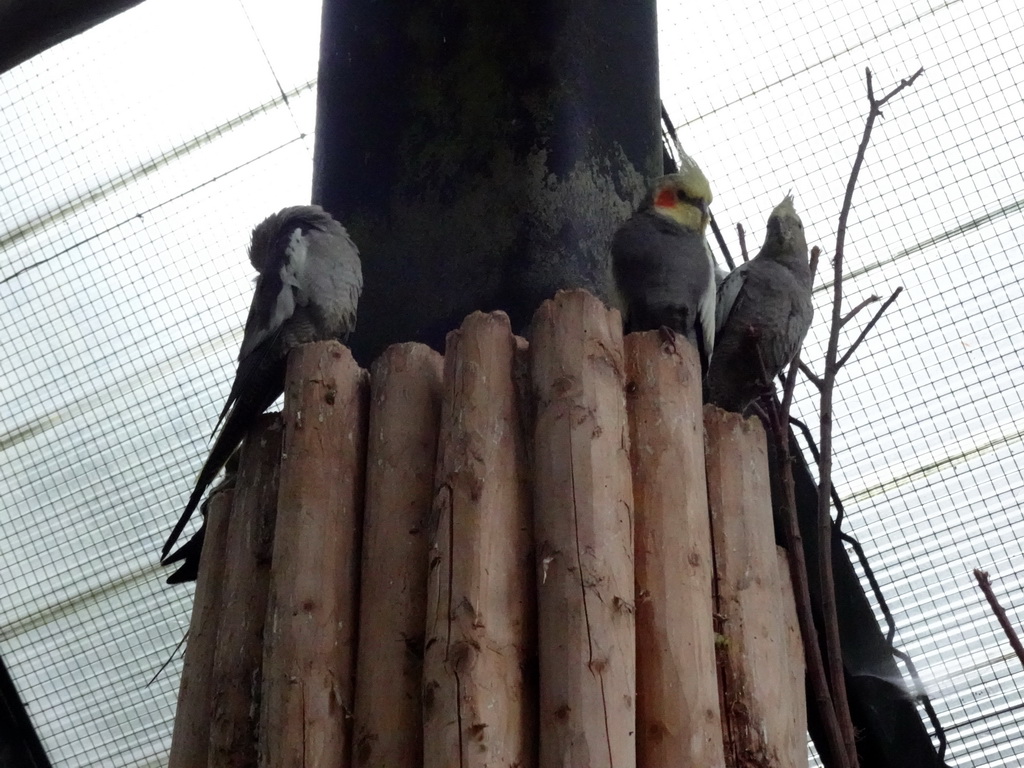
[479, 704]
[405, 407]
[191, 736]
[310, 637]
[238, 659]
[678, 717]
[583, 504]
[762, 702]
[793, 748]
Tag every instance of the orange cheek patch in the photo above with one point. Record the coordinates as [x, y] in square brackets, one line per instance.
[665, 199]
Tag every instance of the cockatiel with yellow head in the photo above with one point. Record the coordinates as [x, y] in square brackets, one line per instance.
[663, 270]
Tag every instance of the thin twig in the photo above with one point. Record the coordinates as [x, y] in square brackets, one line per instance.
[813, 448]
[170, 659]
[832, 365]
[904, 83]
[670, 126]
[853, 312]
[811, 445]
[678, 145]
[1000, 613]
[811, 375]
[873, 113]
[743, 242]
[721, 244]
[764, 415]
[868, 327]
[787, 392]
[815, 255]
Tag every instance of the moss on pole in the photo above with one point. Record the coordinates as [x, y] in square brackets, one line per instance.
[482, 154]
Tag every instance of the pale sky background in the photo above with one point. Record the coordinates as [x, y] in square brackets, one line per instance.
[135, 159]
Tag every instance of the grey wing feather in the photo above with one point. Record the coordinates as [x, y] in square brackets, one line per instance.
[728, 292]
[273, 303]
[720, 275]
[277, 288]
[799, 322]
[707, 308]
[334, 279]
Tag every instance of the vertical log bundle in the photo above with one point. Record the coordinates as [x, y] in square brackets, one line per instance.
[755, 652]
[238, 659]
[191, 736]
[549, 530]
[479, 706]
[793, 746]
[309, 655]
[678, 720]
[405, 407]
[583, 504]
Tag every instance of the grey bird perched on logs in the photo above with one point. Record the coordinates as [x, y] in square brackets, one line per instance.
[663, 270]
[308, 290]
[763, 313]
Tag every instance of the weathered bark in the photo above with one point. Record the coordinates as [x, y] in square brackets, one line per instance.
[310, 637]
[191, 737]
[678, 717]
[479, 703]
[583, 507]
[762, 728]
[405, 408]
[794, 750]
[238, 659]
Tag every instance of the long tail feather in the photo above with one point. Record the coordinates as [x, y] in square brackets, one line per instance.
[254, 400]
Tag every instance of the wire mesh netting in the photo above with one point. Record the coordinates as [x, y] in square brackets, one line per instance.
[135, 159]
[928, 424]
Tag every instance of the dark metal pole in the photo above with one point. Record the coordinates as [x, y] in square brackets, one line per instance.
[29, 27]
[482, 154]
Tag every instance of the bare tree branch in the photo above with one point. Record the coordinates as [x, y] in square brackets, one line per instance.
[787, 392]
[721, 244]
[853, 312]
[776, 418]
[868, 327]
[874, 112]
[999, 612]
[812, 446]
[832, 366]
[678, 146]
[906, 82]
[743, 243]
[811, 375]
[815, 255]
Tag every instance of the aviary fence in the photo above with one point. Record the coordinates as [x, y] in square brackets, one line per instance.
[517, 555]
